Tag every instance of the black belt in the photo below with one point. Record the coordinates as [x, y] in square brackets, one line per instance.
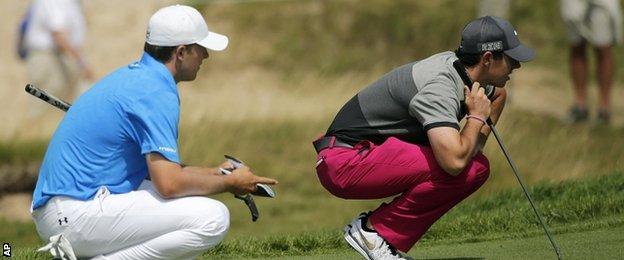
[328, 142]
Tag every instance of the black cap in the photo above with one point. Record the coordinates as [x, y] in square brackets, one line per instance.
[490, 33]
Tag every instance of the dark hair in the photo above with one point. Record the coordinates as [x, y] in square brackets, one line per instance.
[471, 59]
[163, 53]
[160, 53]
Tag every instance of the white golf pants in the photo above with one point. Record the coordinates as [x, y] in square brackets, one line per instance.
[135, 225]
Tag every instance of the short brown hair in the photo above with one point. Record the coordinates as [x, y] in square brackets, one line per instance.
[161, 53]
[471, 59]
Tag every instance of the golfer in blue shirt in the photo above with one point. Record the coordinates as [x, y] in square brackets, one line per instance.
[93, 198]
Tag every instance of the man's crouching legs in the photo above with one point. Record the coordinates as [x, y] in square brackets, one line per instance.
[136, 225]
[197, 233]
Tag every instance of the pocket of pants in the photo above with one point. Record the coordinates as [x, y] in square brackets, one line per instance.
[321, 165]
[323, 174]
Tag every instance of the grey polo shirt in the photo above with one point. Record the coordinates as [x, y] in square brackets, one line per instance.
[405, 103]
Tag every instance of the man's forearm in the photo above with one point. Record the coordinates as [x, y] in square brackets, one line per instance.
[203, 170]
[172, 181]
[200, 183]
[498, 104]
[471, 141]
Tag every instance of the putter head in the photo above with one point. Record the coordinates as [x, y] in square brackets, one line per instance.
[262, 190]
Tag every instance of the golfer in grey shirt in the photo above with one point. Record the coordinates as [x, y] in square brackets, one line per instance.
[402, 136]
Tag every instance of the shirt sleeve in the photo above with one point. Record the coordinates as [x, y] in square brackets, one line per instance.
[436, 105]
[154, 124]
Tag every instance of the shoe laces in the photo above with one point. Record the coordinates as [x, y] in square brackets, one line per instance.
[386, 252]
[59, 247]
[383, 251]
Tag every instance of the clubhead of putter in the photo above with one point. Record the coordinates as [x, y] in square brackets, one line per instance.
[264, 190]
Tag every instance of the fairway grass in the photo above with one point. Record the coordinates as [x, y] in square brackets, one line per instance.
[598, 244]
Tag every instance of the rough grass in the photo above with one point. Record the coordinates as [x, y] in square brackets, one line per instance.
[20, 152]
[569, 206]
[544, 149]
[333, 37]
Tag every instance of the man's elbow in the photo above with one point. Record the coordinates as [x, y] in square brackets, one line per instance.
[454, 167]
[167, 193]
[166, 190]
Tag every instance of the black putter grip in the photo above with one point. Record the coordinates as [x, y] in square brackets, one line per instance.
[50, 99]
[461, 70]
[251, 204]
[248, 199]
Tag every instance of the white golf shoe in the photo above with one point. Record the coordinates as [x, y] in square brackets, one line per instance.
[369, 244]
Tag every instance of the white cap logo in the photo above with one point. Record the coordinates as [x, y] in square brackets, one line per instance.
[180, 25]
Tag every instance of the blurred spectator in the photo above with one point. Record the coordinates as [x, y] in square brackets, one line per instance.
[54, 32]
[498, 8]
[599, 23]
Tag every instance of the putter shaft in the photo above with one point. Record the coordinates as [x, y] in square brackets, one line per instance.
[526, 192]
[463, 74]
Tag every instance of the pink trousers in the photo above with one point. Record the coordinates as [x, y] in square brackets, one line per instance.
[426, 192]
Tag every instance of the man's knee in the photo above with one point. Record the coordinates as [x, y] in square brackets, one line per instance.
[480, 171]
[216, 225]
[224, 224]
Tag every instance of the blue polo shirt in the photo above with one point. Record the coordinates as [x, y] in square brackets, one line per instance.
[105, 135]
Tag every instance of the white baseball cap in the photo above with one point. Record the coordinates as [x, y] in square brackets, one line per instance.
[180, 25]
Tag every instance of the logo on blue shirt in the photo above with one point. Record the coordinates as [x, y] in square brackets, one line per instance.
[167, 149]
